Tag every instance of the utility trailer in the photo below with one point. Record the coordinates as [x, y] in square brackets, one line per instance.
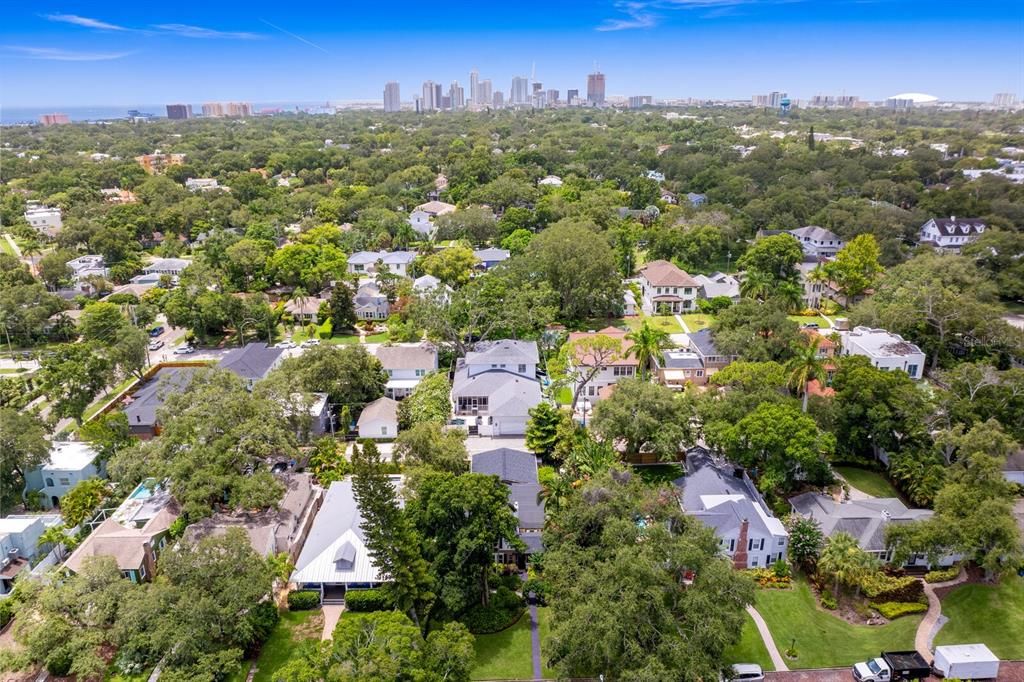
[966, 662]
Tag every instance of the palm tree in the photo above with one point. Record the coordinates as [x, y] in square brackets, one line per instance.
[790, 293]
[845, 562]
[756, 284]
[299, 296]
[58, 537]
[805, 366]
[554, 492]
[648, 342]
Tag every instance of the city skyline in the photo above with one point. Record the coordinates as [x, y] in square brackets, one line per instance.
[714, 49]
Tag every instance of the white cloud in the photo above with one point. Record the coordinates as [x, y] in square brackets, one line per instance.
[86, 22]
[58, 55]
[643, 13]
[188, 31]
[637, 16]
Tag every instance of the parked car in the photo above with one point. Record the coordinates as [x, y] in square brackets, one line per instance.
[156, 331]
[746, 672]
[184, 350]
[156, 345]
[285, 344]
[812, 325]
[308, 343]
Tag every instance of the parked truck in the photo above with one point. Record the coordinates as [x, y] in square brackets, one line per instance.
[966, 662]
[892, 665]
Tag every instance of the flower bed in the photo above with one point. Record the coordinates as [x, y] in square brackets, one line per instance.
[769, 579]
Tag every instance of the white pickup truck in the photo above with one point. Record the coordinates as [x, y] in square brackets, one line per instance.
[892, 665]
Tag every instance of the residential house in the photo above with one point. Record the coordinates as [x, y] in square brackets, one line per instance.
[70, 463]
[334, 557]
[19, 544]
[550, 181]
[702, 343]
[1013, 468]
[319, 411]
[951, 234]
[696, 200]
[44, 219]
[866, 520]
[814, 291]
[305, 310]
[371, 303]
[663, 286]
[379, 419]
[133, 534]
[202, 184]
[142, 406]
[621, 365]
[517, 470]
[150, 280]
[166, 266]
[817, 241]
[628, 303]
[677, 368]
[490, 257]
[495, 386]
[669, 197]
[252, 362]
[827, 354]
[369, 262]
[724, 498]
[406, 365]
[719, 284]
[422, 216]
[85, 267]
[114, 195]
[281, 529]
[436, 208]
[886, 350]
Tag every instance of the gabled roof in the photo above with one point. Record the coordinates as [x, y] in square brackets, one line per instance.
[425, 283]
[436, 207]
[953, 226]
[141, 407]
[621, 358]
[505, 351]
[381, 409]
[423, 356]
[251, 361]
[865, 520]
[661, 273]
[814, 233]
[491, 255]
[387, 257]
[703, 341]
[511, 466]
[508, 394]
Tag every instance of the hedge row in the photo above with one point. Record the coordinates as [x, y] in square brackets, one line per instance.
[880, 587]
[895, 609]
[369, 600]
[942, 575]
[303, 600]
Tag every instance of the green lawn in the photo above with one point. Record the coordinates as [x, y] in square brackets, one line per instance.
[299, 335]
[992, 614]
[666, 323]
[809, 319]
[697, 321]
[378, 338]
[822, 639]
[107, 397]
[750, 648]
[5, 246]
[870, 482]
[659, 473]
[295, 627]
[544, 625]
[505, 655]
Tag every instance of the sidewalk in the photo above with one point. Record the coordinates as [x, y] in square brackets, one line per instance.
[930, 625]
[769, 643]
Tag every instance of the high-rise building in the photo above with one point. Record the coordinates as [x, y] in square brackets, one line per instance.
[572, 97]
[54, 119]
[1005, 100]
[392, 97]
[238, 109]
[499, 99]
[552, 97]
[640, 101]
[457, 95]
[474, 87]
[417, 104]
[485, 96]
[595, 88]
[775, 99]
[213, 110]
[520, 93]
[431, 101]
[438, 92]
[179, 112]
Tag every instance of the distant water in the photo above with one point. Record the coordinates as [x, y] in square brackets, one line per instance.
[16, 115]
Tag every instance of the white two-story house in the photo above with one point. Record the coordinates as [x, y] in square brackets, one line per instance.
[663, 286]
[817, 241]
[495, 386]
[951, 234]
[406, 365]
[886, 350]
[46, 220]
[369, 262]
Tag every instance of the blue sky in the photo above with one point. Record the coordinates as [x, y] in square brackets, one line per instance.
[82, 53]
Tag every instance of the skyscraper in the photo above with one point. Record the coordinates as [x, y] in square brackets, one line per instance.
[499, 99]
[1005, 100]
[457, 96]
[595, 88]
[485, 95]
[520, 93]
[179, 112]
[431, 98]
[572, 97]
[474, 87]
[213, 110]
[552, 97]
[392, 97]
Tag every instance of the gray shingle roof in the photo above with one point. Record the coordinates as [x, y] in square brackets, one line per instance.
[144, 403]
[703, 342]
[251, 361]
[422, 356]
[511, 466]
[507, 351]
[865, 520]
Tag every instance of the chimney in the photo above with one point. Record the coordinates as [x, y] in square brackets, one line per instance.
[739, 557]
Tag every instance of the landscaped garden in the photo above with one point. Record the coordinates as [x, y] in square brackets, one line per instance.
[823, 640]
[867, 481]
[658, 474]
[991, 614]
[750, 648]
[505, 655]
[666, 323]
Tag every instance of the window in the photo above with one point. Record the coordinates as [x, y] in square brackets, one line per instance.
[384, 430]
[753, 562]
[469, 403]
[421, 372]
[912, 370]
[782, 542]
[700, 372]
[391, 372]
[49, 482]
[732, 544]
[622, 371]
[522, 369]
[142, 571]
[64, 481]
[591, 390]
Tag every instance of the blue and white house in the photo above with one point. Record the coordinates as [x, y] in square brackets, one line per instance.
[70, 463]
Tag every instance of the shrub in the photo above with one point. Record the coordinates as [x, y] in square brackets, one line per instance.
[768, 578]
[6, 612]
[511, 581]
[483, 620]
[262, 619]
[942, 575]
[58, 663]
[303, 600]
[828, 600]
[781, 569]
[506, 599]
[369, 600]
[895, 609]
[539, 588]
[326, 330]
[882, 588]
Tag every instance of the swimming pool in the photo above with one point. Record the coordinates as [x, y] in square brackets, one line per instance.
[144, 490]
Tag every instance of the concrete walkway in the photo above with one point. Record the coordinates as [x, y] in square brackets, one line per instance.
[769, 643]
[332, 612]
[535, 642]
[682, 324]
[930, 624]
